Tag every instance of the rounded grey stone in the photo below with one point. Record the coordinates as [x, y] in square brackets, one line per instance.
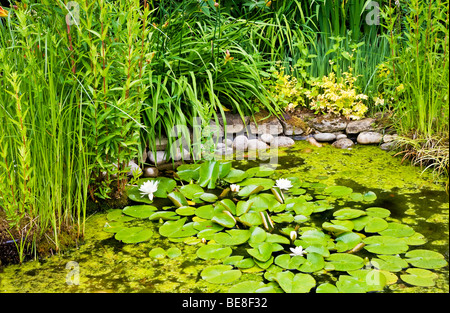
[255, 144]
[343, 143]
[240, 143]
[366, 138]
[282, 141]
[267, 138]
[151, 172]
[324, 136]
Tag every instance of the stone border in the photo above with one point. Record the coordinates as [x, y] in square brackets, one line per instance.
[237, 135]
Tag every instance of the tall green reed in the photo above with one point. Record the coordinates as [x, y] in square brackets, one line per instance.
[419, 77]
[43, 169]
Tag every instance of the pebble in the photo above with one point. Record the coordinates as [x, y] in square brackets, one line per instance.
[365, 138]
[151, 172]
[282, 141]
[324, 136]
[355, 127]
[161, 157]
[267, 138]
[240, 143]
[343, 143]
[255, 144]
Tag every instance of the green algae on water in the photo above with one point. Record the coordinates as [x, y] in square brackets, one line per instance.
[106, 265]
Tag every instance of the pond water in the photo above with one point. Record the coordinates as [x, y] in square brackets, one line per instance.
[103, 264]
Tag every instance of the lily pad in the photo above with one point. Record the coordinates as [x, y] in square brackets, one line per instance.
[213, 251]
[225, 219]
[228, 205]
[295, 283]
[425, 259]
[419, 277]
[360, 222]
[397, 230]
[208, 174]
[283, 218]
[350, 284]
[415, 240]
[338, 227]
[249, 286]
[220, 274]
[264, 201]
[233, 237]
[389, 263]
[313, 237]
[375, 225]
[338, 191]
[262, 252]
[369, 196]
[266, 183]
[113, 227]
[249, 190]
[235, 176]
[385, 245]
[117, 216]
[243, 207]
[206, 212]
[189, 191]
[158, 253]
[164, 215]
[178, 199]
[378, 212]
[139, 211]
[314, 262]
[373, 279]
[208, 197]
[347, 241]
[260, 171]
[327, 288]
[288, 262]
[347, 214]
[173, 252]
[250, 219]
[356, 196]
[134, 234]
[177, 229]
[345, 261]
[258, 235]
[239, 261]
[186, 210]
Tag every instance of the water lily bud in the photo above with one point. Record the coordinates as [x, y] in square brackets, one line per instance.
[293, 235]
[203, 240]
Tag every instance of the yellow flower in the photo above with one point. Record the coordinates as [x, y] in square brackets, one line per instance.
[228, 57]
[3, 12]
[400, 88]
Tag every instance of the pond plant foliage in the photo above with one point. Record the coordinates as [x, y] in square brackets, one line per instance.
[280, 234]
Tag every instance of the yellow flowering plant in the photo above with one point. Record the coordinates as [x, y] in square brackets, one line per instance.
[338, 96]
[285, 90]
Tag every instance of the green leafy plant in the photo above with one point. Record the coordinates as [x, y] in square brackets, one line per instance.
[337, 96]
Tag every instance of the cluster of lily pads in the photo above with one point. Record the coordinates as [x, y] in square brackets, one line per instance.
[253, 223]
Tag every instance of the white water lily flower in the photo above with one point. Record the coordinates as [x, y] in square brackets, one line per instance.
[148, 188]
[297, 251]
[284, 183]
[235, 188]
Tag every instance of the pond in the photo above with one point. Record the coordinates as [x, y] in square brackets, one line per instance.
[363, 201]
